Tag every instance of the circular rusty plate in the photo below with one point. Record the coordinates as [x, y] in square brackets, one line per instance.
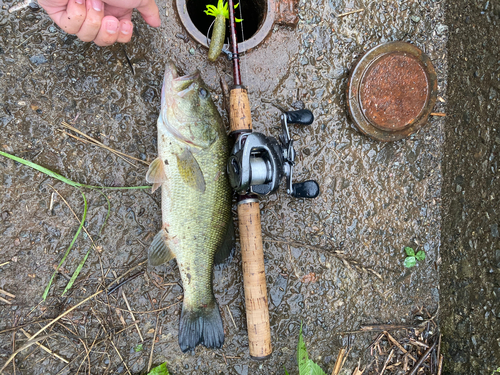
[391, 91]
[263, 31]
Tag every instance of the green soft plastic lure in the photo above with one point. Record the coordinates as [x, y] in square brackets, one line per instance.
[219, 32]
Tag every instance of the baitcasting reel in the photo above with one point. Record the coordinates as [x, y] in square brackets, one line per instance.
[258, 163]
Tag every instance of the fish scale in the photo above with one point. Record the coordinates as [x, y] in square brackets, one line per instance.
[196, 201]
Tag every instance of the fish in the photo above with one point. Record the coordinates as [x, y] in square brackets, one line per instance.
[197, 228]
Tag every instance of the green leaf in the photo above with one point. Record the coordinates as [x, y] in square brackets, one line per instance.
[302, 357]
[286, 372]
[160, 370]
[409, 251]
[138, 348]
[410, 262]
[420, 255]
[314, 369]
[306, 365]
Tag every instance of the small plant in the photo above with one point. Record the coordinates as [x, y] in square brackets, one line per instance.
[159, 370]
[221, 13]
[411, 259]
[496, 371]
[138, 348]
[306, 365]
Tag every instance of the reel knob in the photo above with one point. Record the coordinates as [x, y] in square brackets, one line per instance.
[301, 117]
[306, 189]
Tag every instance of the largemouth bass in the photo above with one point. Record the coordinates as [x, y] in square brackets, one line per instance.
[195, 201]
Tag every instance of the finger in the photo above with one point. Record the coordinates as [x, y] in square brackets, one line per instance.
[92, 24]
[71, 18]
[147, 8]
[149, 11]
[108, 33]
[125, 33]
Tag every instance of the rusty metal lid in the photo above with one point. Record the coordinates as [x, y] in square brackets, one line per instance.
[391, 91]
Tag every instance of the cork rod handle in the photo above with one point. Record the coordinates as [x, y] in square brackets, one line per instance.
[239, 112]
[254, 279]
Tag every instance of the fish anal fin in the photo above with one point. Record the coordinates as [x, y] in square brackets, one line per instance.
[158, 252]
[190, 170]
[225, 253]
[156, 173]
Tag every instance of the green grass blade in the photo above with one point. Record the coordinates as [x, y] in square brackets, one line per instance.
[76, 273]
[46, 292]
[82, 262]
[48, 172]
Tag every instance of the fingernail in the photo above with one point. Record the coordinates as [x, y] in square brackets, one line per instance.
[126, 28]
[111, 27]
[79, 1]
[97, 5]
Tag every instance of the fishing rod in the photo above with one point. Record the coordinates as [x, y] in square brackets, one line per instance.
[256, 166]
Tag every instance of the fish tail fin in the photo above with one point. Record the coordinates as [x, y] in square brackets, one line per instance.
[201, 325]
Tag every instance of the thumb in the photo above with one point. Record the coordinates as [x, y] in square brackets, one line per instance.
[149, 11]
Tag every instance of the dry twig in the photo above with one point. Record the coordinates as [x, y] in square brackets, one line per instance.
[26, 345]
[348, 262]
[97, 143]
[351, 12]
[395, 342]
[231, 315]
[153, 344]
[7, 293]
[45, 348]
[339, 362]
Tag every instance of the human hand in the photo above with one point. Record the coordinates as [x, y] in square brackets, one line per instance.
[102, 21]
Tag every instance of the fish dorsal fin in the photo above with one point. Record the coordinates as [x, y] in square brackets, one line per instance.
[226, 251]
[158, 252]
[190, 170]
[156, 173]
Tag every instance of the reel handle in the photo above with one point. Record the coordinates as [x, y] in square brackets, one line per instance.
[306, 189]
[301, 117]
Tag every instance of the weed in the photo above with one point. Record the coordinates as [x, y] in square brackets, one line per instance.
[159, 370]
[306, 365]
[411, 259]
[55, 175]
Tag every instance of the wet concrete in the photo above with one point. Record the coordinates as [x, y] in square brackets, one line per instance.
[376, 198]
[470, 272]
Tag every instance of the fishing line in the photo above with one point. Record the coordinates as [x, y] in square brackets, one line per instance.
[245, 66]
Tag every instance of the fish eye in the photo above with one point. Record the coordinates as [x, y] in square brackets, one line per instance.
[203, 93]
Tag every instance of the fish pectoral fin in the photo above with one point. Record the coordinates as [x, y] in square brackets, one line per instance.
[225, 253]
[156, 173]
[190, 171]
[158, 252]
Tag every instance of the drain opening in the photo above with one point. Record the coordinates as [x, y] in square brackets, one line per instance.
[252, 11]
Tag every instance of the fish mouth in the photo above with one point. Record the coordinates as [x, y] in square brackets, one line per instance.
[174, 82]
[176, 86]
